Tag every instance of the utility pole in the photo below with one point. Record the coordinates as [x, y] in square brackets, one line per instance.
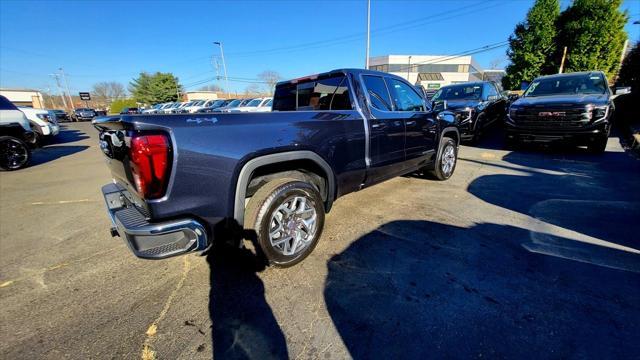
[409, 69]
[66, 83]
[224, 65]
[564, 56]
[366, 62]
[57, 77]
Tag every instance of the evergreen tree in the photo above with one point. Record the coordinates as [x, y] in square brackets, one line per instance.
[532, 44]
[593, 32]
[156, 88]
[630, 71]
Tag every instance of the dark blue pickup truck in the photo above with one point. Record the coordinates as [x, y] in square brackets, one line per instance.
[182, 181]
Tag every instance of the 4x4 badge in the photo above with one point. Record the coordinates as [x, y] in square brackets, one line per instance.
[201, 120]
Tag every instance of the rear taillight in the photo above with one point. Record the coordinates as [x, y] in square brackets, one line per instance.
[150, 156]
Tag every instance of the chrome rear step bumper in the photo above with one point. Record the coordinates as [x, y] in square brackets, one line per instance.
[151, 240]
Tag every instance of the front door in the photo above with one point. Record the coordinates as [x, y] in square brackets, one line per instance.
[386, 132]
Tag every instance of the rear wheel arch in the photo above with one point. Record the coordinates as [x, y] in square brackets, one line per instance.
[302, 165]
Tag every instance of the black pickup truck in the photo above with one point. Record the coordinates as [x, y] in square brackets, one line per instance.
[182, 181]
[575, 107]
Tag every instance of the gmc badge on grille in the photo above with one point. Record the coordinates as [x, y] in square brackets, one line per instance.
[552, 113]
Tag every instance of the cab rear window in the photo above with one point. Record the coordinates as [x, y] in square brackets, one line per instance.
[330, 93]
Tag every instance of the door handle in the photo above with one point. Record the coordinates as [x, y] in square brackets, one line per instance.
[411, 123]
[378, 125]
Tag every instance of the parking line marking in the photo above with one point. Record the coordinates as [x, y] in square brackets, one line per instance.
[147, 351]
[61, 202]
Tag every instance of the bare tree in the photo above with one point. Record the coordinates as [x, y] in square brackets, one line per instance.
[253, 89]
[106, 92]
[270, 78]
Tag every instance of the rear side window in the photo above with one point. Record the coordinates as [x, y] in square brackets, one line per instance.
[405, 98]
[378, 93]
[330, 93]
[5, 104]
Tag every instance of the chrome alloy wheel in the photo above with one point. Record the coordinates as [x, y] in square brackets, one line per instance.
[13, 154]
[293, 225]
[448, 160]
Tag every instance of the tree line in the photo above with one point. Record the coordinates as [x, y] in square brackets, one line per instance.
[592, 31]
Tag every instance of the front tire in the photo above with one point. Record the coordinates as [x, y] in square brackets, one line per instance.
[446, 160]
[598, 146]
[14, 153]
[287, 216]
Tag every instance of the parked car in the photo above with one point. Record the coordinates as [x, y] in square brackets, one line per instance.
[201, 104]
[232, 105]
[154, 109]
[130, 111]
[255, 105]
[575, 107]
[16, 137]
[277, 173]
[61, 116]
[216, 104]
[83, 114]
[43, 124]
[181, 109]
[170, 108]
[476, 104]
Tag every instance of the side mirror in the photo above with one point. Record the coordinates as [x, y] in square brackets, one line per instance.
[439, 105]
[622, 90]
[447, 116]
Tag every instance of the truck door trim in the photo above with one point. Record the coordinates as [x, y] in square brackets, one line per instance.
[251, 165]
[365, 121]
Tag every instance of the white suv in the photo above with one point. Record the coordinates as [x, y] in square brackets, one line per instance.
[43, 123]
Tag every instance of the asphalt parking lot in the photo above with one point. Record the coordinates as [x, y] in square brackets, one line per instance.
[534, 253]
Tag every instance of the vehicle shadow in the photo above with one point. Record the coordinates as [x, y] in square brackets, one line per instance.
[421, 289]
[595, 195]
[67, 135]
[243, 324]
[50, 153]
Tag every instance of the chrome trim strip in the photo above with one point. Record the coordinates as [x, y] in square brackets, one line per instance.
[367, 157]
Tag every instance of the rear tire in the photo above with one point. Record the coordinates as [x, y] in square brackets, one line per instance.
[14, 153]
[287, 216]
[446, 160]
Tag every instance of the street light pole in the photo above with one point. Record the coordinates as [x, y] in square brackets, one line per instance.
[366, 62]
[224, 66]
[66, 83]
[409, 69]
[57, 77]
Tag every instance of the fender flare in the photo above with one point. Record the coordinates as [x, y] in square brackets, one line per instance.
[448, 129]
[250, 166]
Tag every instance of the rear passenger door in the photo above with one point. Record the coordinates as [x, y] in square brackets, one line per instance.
[386, 132]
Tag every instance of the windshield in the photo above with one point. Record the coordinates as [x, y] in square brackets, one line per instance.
[567, 84]
[254, 102]
[268, 103]
[459, 92]
[234, 103]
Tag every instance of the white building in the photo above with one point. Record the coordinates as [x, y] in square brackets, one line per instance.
[201, 95]
[24, 97]
[430, 71]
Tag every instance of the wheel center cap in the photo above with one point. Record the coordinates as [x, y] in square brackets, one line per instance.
[291, 225]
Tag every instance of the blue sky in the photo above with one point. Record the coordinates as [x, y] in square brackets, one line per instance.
[113, 41]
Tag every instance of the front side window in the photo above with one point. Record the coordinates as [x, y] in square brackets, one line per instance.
[378, 93]
[405, 98]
